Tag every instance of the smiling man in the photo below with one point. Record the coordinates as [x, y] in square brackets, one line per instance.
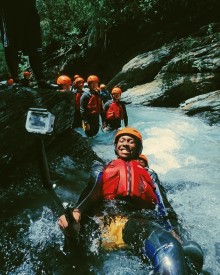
[126, 189]
[121, 179]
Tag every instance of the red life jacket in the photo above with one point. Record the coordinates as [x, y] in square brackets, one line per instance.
[94, 105]
[115, 111]
[127, 178]
[77, 100]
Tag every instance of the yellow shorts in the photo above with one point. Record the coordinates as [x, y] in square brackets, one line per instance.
[111, 234]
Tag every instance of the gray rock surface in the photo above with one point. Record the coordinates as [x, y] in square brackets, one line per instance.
[175, 73]
[207, 105]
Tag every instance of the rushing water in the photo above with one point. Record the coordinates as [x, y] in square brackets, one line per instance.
[183, 151]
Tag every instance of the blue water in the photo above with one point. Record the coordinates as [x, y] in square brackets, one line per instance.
[185, 152]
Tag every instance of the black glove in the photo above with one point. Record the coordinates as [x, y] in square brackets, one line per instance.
[73, 226]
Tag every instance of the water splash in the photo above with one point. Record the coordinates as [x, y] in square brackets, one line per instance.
[123, 263]
[44, 232]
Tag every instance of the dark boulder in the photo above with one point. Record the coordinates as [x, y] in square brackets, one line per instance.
[18, 147]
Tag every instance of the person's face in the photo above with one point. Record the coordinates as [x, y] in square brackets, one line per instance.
[142, 162]
[80, 85]
[126, 147]
[93, 85]
[116, 96]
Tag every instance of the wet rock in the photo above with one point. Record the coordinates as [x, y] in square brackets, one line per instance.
[207, 104]
[169, 76]
[18, 147]
[144, 67]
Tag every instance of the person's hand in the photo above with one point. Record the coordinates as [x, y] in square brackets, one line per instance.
[62, 222]
[70, 225]
[103, 125]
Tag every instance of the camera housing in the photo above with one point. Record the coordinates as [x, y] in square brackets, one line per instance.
[39, 121]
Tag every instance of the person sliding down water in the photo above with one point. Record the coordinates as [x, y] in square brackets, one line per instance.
[115, 111]
[122, 196]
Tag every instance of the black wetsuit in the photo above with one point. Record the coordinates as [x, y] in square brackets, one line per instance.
[105, 96]
[87, 117]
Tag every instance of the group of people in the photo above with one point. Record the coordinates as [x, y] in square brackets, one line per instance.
[124, 188]
[93, 103]
[20, 31]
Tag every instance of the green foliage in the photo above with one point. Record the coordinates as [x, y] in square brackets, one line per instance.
[73, 28]
[3, 67]
[190, 43]
[79, 25]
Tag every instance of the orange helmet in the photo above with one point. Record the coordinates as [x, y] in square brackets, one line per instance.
[26, 73]
[78, 79]
[130, 131]
[92, 78]
[102, 86]
[76, 76]
[116, 90]
[63, 79]
[10, 81]
[144, 158]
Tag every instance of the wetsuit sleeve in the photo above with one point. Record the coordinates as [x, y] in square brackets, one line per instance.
[161, 209]
[84, 100]
[92, 193]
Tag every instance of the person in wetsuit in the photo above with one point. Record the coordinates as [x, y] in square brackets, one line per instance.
[91, 107]
[127, 183]
[115, 111]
